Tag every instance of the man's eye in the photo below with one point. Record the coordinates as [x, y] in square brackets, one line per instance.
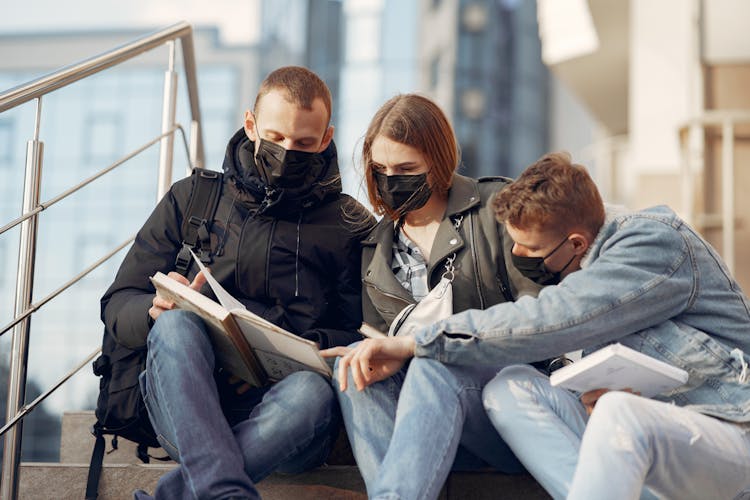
[377, 168]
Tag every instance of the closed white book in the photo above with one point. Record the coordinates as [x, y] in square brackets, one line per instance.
[620, 367]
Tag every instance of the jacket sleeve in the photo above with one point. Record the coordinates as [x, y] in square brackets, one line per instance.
[346, 306]
[633, 284]
[125, 305]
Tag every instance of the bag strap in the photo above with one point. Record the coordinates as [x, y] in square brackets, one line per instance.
[95, 466]
[204, 199]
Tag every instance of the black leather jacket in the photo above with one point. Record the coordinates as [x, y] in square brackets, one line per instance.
[293, 258]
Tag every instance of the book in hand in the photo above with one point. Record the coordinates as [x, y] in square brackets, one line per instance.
[245, 344]
[620, 367]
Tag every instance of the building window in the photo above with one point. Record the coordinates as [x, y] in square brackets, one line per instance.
[101, 139]
[475, 17]
[6, 142]
[435, 72]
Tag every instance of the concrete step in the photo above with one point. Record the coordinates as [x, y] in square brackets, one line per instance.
[118, 481]
[77, 442]
[123, 473]
[68, 481]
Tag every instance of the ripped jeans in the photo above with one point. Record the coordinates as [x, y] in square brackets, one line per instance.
[630, 447]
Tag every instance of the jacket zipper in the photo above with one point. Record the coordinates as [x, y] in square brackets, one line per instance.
[387, 294]
[296, 259]
[268, 258]
[476, 260]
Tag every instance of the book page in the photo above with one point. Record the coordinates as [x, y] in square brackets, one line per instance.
[225, 298]
[370, 331]
[272, 343]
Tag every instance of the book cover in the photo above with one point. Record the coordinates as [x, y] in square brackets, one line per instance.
[620, 367]
[247, 345]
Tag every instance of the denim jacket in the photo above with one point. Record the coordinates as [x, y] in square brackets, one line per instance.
[649, 282]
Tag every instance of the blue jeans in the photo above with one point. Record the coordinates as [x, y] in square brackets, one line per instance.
[630, 447]
[225, 442]
[406, 431]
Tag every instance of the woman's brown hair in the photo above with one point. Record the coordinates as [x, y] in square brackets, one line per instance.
[418, 122]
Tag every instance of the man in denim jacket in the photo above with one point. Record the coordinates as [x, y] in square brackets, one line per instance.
[644, 279]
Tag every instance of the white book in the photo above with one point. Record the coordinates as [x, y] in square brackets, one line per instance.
[247, 345]
[620, 367]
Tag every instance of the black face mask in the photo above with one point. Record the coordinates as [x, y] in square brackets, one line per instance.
[286, 168]
[536, 270]
[403, 193]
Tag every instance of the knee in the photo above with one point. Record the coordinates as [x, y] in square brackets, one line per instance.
[177, 329]
[510, 389]
[618, 409]
[315, 391]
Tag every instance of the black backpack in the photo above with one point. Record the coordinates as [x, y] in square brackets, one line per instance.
[120, 410]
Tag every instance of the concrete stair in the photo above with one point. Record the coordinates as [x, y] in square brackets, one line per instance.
[123, 473]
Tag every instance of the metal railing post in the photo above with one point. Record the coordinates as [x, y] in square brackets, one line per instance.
[166, 151]
[24, 286]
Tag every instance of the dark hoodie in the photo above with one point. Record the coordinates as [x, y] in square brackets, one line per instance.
[293, 257]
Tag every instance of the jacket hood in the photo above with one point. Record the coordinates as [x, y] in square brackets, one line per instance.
[243, 179]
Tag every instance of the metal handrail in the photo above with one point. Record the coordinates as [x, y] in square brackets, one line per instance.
[693, 160]
[75, 279]
[46, 204]
[32, 207]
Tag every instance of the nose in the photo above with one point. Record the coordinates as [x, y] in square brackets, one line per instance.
[518, 250]
[287, 144]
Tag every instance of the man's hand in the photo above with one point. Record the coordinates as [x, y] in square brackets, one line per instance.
[590, 398]
[160, 304]
[372, 360]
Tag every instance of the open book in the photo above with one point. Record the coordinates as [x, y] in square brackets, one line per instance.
[245, 344]
[620, 367]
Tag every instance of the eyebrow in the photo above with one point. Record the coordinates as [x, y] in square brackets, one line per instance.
[299, 139]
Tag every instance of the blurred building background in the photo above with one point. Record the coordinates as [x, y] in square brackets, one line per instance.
[640, 92]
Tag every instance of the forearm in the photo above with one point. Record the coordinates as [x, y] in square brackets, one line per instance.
[563, 318]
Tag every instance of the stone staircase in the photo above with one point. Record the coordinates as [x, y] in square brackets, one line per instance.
[123, 473]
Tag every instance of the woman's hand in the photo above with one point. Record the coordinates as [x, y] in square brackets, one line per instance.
[372, 360]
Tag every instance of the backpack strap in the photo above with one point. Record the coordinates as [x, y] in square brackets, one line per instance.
[196, 222]
[95, 467]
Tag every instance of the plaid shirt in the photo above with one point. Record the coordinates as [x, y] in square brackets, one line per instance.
[409, 266]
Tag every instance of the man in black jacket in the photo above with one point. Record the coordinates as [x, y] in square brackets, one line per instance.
[285, 242]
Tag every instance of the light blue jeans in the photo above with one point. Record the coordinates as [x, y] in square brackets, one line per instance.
[226, 442]
[406, 430]
[631, 446]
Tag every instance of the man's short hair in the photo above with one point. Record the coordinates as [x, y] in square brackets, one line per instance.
[552, 194]
[301, 85]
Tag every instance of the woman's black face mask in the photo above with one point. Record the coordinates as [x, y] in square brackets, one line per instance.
[286, 168]
[403, 193]
[536, 270]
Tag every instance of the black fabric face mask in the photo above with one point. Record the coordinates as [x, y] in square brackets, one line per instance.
[403, 193]
[536, 270]
[286, 168]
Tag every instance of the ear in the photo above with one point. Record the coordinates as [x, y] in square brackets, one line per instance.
[251, 130]
[327, 137]
[580, 242]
